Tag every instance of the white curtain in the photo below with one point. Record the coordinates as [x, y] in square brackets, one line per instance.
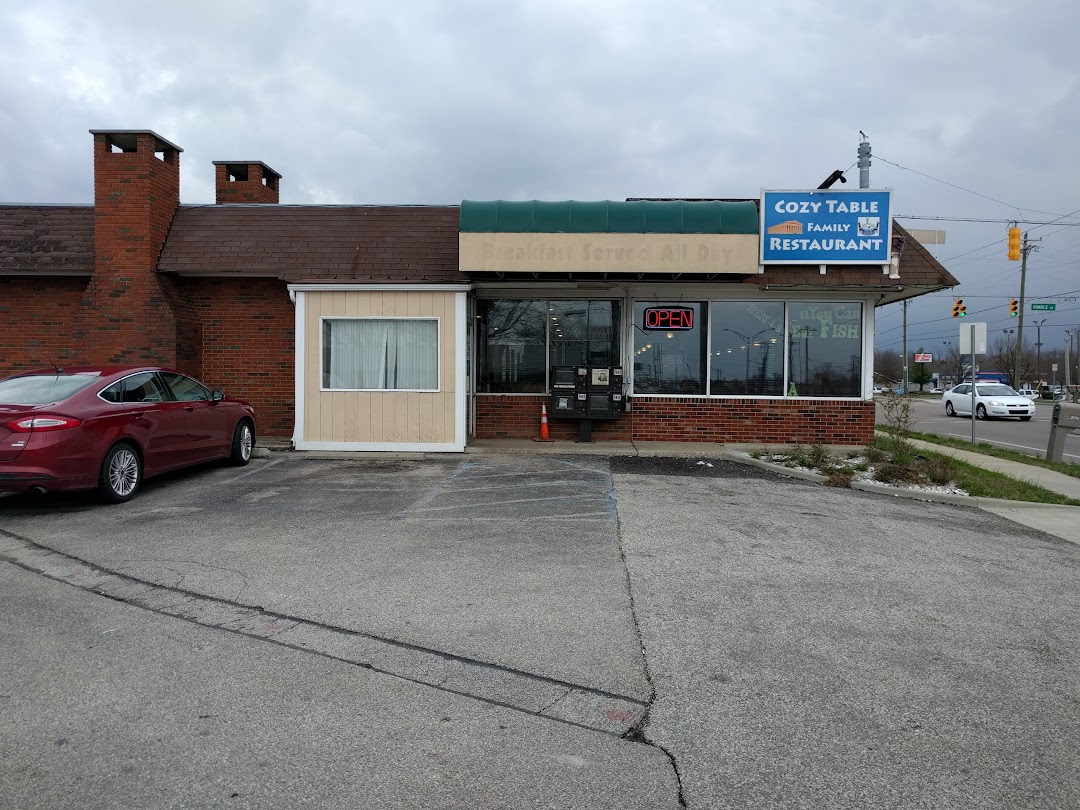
[381, 354]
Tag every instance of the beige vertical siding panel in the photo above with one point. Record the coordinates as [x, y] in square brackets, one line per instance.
[313, 342]
[448, 345]
[428, 403]
[334, 424]
[443, 306]
[377, 416]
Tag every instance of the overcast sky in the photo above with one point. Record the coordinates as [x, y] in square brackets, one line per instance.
[435, 101]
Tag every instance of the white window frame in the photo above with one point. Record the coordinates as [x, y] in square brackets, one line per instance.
[438, 353]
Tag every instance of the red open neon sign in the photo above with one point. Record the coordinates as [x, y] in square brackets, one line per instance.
[673, 319]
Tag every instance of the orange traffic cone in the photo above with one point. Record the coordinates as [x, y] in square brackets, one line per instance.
[545, 436]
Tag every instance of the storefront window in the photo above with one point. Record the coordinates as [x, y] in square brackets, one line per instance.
[747, 352]
[584, 333]
[513, 346]
[518, 339]
[825, 349]
[669, 361]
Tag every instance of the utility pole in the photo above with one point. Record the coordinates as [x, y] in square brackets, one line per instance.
[905, 382]
[1038, 349]
[864, 160]
[1024, 251]
[1068, 361]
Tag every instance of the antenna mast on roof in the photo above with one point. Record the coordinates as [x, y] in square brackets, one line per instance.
[864, 160]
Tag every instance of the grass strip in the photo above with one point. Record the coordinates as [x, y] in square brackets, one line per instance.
[991, 450]
[989, 484]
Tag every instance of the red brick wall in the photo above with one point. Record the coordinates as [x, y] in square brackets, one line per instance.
[244, 329]
[130, 313]
[36, 319]
[669, 419]
[248, 344]
[250, 190]
[513, 416]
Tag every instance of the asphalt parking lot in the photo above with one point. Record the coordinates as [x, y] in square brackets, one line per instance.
[628, 632]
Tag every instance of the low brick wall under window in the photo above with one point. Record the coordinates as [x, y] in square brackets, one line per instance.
[670, 419]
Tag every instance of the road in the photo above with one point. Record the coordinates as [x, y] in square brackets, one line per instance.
[516, 631]
[1029, 438]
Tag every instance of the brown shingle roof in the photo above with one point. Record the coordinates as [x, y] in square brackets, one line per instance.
[314, 243]
[920, 273]
[53, 240]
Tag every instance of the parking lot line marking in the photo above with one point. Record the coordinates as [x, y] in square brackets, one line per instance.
[548, 483]
[504, 502]
[252, 471]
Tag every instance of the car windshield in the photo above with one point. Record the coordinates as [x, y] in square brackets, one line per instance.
[996, 391]
[39, 389]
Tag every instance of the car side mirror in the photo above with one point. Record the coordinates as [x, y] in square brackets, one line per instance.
[217, 395]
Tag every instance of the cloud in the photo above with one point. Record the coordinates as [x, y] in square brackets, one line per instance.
[431, 102]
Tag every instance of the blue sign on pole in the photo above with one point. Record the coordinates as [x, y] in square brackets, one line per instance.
[826, 227]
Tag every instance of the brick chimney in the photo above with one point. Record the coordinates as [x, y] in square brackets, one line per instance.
[130, 313]
[246, 181]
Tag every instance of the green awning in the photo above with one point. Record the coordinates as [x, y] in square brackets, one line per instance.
[607, 216]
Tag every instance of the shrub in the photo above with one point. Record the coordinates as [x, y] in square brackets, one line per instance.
[819, 457]
[899, 416]
[839, 478]
[873, 453]
[938, 469]
[799, 456]
[892, 473]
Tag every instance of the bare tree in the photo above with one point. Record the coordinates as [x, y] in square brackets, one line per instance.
[887, 367]
[1002, 355]
[949, 364]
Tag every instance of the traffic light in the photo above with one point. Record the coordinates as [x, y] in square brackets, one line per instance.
[1014, 244]
[958, 308]
[1014, 308]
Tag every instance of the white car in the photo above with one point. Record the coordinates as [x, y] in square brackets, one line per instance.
[1028, 392]
[992, 400]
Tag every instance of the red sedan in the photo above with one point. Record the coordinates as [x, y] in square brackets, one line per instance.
[109, 427]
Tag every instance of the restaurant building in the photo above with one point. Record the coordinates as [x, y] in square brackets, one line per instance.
[423, 328]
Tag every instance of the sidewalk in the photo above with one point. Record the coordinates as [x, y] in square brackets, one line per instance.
[1047, 479]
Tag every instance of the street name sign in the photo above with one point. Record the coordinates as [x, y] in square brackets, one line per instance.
[1043, 307]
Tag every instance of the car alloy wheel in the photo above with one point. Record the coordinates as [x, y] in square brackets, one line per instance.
[242, 445]
[980, 412]
[949, 409]
[121, 473]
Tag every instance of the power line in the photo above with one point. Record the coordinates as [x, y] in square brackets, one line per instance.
[975, 312]
[984, 219]
[969, 191]
[953, 185]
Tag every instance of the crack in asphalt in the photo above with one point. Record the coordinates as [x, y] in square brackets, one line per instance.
[548, 698]
[637, 732]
